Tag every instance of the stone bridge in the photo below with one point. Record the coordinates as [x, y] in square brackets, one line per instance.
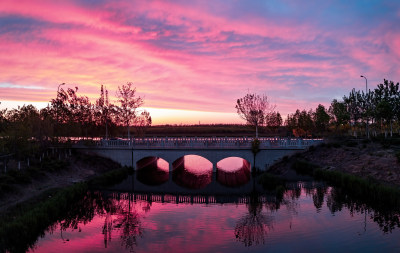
[215, 149]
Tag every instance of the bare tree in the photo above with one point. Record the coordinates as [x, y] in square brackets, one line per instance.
[255, 109]
[129, 104]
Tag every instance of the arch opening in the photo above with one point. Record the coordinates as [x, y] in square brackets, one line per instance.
[152, 170]
[233, 171]
[192, 171]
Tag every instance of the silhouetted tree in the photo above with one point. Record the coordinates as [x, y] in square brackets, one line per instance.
[338, 113]
[129, 103]
[321, 119]
[274, 120]
[104, 109]
[255, 109]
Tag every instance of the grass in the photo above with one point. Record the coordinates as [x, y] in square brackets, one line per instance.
[111, 177]
[369, 190]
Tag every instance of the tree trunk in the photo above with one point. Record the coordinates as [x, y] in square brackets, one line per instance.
[106, 130]
[256, 131]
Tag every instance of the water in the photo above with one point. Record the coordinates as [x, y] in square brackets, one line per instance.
[141, 216]
[297, 223]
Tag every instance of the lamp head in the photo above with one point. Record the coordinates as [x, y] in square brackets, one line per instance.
[361, 76]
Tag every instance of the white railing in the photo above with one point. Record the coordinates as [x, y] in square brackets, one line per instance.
[209, 143]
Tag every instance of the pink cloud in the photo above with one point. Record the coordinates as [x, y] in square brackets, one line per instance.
[190, 58]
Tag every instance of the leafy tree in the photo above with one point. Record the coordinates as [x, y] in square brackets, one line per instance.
[339, 113]
[321, 118]
[353, 108]
[274, 121]
[142, 122]
[104, 109]
[255, 109]
[127, 112]
[300, 123]
[386, 96]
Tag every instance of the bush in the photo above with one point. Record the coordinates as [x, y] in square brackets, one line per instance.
[304, 167]
[111, 177]
[398, 156]
[19, 176]
[270, 182]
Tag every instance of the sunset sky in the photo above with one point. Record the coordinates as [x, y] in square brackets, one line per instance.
[192, 60]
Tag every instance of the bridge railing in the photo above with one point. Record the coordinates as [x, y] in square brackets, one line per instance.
[208, 142]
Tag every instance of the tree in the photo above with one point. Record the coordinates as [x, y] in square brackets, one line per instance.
[339, 113]
[300, 123]
[274, 121]
[321, 118]
[104, 109]
[255, 109]
[129, 104]
[143, 121]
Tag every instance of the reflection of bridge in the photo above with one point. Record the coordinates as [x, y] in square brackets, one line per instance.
[169, 192]
[129, 152]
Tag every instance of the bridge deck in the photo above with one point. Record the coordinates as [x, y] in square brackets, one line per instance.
[208, 143]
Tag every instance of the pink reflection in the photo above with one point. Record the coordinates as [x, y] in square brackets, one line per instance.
[197, 165]
[192, 171]
[233, 171]
[152, 171]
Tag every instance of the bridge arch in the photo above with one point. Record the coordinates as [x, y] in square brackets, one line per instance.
[152, 170]
[233, 171]
[192, 171]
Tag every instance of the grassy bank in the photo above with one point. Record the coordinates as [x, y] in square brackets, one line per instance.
[10, 180]
[22, 225]
[369, 190]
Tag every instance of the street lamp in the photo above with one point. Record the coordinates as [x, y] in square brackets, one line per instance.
[58, 92]
[366, 91]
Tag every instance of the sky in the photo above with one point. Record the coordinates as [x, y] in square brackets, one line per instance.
[191, 60]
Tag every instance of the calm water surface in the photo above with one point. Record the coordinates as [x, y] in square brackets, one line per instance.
[309, 217]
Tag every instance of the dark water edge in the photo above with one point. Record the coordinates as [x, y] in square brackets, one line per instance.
[25, 223]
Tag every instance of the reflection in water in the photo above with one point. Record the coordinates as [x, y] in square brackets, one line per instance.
[294, 220]
[192, 171]
[252, 227]
[233, 171]
[152, 171]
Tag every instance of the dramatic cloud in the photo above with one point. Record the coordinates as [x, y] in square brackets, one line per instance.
[198, 55]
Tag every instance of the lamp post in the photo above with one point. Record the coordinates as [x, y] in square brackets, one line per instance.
[366, 91]
[58, 91]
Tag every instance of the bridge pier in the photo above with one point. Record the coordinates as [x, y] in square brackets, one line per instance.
[170, 172]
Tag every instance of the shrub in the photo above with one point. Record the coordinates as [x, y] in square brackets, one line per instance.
[304, 167]
[270, 182]
[398, 156]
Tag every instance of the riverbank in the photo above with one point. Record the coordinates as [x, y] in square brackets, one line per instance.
[373, 160]
[78, 168]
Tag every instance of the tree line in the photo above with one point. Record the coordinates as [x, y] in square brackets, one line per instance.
[371, 113]
[374, 112]
[26, 129]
